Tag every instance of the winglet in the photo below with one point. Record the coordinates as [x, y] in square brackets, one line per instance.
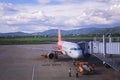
[59, 35]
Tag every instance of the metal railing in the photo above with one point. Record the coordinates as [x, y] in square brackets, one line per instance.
[110, 61]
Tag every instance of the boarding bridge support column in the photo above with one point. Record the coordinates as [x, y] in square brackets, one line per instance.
[104, 46]
[91, 47]
[110, 38]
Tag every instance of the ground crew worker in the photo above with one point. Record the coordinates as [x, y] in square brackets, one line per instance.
[77, 74]
[93, 66]
[77, 71]
[70, 72]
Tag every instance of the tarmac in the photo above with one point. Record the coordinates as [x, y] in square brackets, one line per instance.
[20, 63]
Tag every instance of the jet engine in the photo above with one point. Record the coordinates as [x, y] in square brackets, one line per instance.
[52, 56]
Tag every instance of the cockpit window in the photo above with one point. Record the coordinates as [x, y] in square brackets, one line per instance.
[75, 49]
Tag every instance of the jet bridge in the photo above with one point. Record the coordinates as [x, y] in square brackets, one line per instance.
[108, 52]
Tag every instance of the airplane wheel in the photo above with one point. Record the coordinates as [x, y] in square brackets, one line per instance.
[56, 56]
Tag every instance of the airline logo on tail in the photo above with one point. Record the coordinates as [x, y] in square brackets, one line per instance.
[59, 35]
[60, 42]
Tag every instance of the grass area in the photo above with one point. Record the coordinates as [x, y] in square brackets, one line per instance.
[25, 40]
[46, 40]
[38, 40]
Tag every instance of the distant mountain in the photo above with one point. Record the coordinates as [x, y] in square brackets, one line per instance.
[14, 34]
[114, 30]
[82, 31]
[53, 32]
[67, 32]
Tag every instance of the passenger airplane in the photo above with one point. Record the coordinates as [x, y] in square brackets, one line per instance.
[70, 49]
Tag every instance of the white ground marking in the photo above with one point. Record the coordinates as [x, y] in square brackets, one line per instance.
[33, 72]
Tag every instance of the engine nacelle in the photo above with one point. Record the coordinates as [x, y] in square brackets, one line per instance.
[51, 55]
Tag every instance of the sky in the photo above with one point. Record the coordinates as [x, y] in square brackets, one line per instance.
[40, 15]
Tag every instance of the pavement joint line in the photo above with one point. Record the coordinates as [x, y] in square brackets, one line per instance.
[33, 72]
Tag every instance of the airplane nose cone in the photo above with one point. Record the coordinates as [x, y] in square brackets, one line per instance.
[78, 54]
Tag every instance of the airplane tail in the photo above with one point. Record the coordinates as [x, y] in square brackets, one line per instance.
[59, 35]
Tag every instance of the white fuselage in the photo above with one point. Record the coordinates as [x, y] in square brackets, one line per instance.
[73, 50]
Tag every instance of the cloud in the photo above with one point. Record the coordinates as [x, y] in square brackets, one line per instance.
[21, 20]
[103, 1]
[7, 9]
[58, 1]
[73, 15]
[44, 1]
[106, 16]
[24, 18]
[6, 28]
[69, 1]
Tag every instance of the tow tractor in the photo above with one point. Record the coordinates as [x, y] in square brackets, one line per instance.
[85, 68]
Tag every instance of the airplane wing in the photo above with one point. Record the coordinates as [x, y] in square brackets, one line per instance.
[43, 49]
[53, 52]
[36, 48]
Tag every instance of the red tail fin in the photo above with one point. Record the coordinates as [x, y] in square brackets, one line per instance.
[59, 35]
